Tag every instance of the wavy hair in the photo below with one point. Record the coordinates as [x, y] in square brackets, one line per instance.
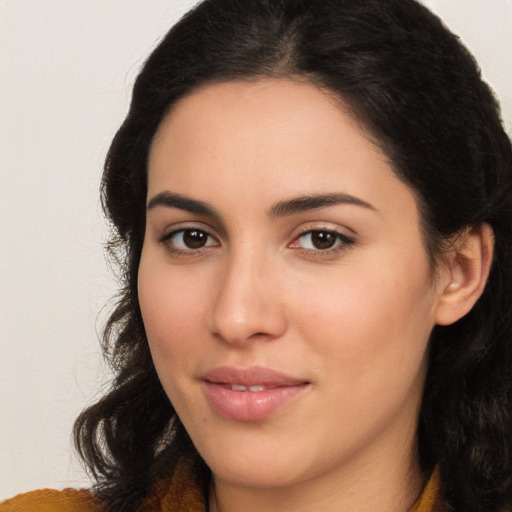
[419, 93]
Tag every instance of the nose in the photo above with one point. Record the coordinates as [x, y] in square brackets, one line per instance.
[248, 304]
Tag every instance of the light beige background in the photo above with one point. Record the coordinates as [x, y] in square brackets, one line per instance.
[66, 68]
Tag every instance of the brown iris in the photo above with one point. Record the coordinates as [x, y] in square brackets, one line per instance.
[194, 239]
[323, 239]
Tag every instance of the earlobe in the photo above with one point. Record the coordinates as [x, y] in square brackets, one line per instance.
[466, 274]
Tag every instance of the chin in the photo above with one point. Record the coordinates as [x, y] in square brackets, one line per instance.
[253, 464]
[263, 475]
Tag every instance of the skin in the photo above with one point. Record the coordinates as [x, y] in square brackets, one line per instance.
[353, 320]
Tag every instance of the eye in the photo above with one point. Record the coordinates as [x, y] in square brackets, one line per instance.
[321, 240]
[186, 240]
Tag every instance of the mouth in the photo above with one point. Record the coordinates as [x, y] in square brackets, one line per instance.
[255, 378]
[250, 394]
[240, 387]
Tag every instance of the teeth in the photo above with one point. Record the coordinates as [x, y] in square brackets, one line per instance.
[253, 389]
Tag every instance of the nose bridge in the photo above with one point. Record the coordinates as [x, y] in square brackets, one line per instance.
[246, 304]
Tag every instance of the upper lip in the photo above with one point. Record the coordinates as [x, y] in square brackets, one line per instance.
[252, 376]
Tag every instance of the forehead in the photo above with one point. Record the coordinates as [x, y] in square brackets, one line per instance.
[267, 112]
[273, 137]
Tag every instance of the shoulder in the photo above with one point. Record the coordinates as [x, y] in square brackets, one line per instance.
[50, 500]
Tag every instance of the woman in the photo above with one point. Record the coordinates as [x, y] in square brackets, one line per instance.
[313, 212]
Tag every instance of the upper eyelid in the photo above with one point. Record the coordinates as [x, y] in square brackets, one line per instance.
[173, 232]
[184, 226]
[329, 230]
[345, 238]
[308, 227]
[298, 231]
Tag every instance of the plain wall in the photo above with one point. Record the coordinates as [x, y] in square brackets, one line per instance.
[66, 68]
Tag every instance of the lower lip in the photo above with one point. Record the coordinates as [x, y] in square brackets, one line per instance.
[250, 405]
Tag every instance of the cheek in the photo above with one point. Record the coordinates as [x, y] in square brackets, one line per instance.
[369, 340]
[173, 307]
[371, 323]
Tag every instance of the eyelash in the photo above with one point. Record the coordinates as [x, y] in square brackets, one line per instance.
[342, 243]
[166, 241]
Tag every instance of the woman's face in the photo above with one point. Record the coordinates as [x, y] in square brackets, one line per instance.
[284, 285]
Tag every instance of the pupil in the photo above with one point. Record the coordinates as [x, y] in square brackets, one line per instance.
[323, 239]
[194, 239]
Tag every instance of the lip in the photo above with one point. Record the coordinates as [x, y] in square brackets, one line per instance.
[245, 405]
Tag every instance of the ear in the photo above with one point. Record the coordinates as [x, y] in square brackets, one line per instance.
[465, 275]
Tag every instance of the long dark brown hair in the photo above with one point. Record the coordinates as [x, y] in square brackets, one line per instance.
[419, 93]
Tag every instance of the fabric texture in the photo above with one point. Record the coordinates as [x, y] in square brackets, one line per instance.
[430, 498]
[180, 494]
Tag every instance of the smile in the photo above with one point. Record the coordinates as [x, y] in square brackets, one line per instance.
[250, 394]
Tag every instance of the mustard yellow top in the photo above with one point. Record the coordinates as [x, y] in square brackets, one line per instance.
[181, 494]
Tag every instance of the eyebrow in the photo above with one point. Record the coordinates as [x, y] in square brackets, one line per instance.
[280, 209]
[312, 202]
[172, 200]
